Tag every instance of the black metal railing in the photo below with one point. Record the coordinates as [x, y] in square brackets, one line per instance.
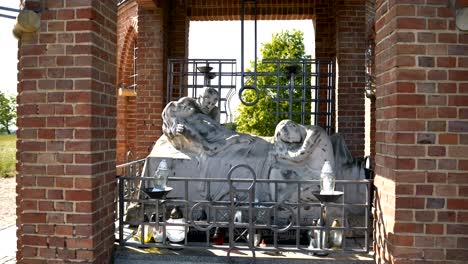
[305, 86]
[283, 225]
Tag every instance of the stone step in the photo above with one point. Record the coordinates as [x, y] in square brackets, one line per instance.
[124, 255]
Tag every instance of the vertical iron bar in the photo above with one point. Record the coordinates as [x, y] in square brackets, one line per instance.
[142, 224]
[255, 44]
[183, 70]
[278, 78]
[368, 186]
[121, 210]
[317, 91]
[298, 229]
[135, 49]
[329, 98]
[303, 93]
[330, 109]
[169, 78]
[242, 44]
[291, 87]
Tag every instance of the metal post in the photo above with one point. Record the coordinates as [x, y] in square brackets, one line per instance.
[121, 210]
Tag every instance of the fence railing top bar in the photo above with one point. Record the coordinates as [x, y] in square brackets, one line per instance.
[130, 163]
[366, 181]
[204, 60]
[301, 60]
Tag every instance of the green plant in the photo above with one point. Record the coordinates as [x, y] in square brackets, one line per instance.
[7, 155]
[7, 112]
[260, 119]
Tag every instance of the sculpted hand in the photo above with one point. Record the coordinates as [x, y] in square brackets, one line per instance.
[179, 129]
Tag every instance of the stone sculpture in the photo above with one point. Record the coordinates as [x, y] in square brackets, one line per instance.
[296, 152]
[196, 146]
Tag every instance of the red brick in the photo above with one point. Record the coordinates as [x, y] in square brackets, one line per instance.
[437, 24]
[435, 229]
[437, 75]
[402, 240]
[446, 216]
[462, 217]
[457, 254]
[448, 139]
[78, 195]
[424, 216]
[64, 230]
[79, 219]
[402, 189]
[414, 203]
[65, 14]
[436, 151]
[457, 204]
[446, 62]
[404, 215]
[424, 189]
[424, 241]
[411, 23]
[447, 164]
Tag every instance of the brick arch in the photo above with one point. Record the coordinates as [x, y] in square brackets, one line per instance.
[126, 106]
[127, 49]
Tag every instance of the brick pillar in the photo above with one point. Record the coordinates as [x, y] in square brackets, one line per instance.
[178, 37]
[351, 39]
[66, 134]
[325, 49]
[422, 134]
[178, 30]
[151, 78]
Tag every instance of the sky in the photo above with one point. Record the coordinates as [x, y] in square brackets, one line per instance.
[8, 49]
[222, 39]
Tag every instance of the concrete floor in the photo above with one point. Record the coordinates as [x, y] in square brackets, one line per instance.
[8, 245]
[124, 255]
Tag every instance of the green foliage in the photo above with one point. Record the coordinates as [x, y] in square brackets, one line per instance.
[260, 119]
[7, 112]
[7, 155]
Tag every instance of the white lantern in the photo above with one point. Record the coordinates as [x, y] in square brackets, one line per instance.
[327, 179]
[161, 175]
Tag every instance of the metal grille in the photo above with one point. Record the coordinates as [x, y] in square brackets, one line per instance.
[303, 89]
[257, 217]
[188, 77]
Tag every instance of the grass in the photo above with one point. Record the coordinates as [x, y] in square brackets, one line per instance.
[7, 155]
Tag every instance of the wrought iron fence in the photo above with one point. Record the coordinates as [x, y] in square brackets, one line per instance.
[299, 89]
[284, 226]
[189, 77]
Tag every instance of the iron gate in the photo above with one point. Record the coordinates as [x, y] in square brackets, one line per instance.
[257, 217]
[305, 86]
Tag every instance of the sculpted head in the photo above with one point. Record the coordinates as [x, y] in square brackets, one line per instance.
[184, 107]
[289, 132]
[208, 100]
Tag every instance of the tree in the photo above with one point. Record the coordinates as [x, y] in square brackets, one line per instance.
[7, 112]
[260, 119]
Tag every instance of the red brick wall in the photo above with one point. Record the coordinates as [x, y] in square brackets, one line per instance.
[351, 39]
[266, 9]
[151, 77]
[422, 134]
[127, 33]
[66, 134]
[163, 33]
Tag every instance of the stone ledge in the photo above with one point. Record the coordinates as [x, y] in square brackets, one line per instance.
[123, 255]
